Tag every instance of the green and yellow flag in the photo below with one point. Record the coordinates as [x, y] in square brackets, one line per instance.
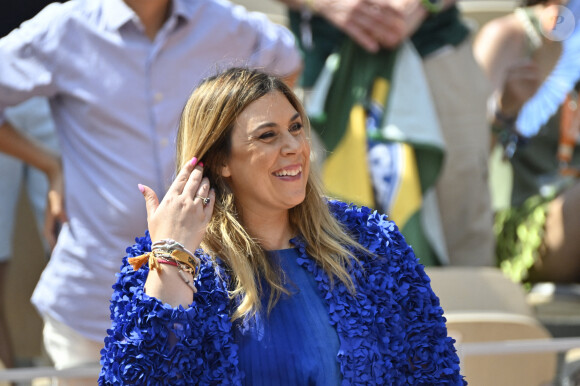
[382, 139]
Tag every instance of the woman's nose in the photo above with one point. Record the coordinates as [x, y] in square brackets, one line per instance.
[291, 144]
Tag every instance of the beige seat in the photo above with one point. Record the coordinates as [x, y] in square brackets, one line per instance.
[481, 305]
[477, 289]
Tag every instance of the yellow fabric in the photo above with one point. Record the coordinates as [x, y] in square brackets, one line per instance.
[380, 91]
[151, 257]
[185, 258]
[345, 172]
[138, 261]
[409, 197]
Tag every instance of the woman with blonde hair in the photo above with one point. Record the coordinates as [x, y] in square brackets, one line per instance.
[283, 286]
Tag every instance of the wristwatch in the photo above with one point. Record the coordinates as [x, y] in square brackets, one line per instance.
[433, 6]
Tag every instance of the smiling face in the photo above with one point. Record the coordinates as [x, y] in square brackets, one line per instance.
[270, 156]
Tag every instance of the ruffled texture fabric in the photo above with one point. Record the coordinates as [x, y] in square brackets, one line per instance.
[391, 332]
[137, 349]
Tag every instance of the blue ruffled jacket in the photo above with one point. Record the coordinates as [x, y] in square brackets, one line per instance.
[391, 332]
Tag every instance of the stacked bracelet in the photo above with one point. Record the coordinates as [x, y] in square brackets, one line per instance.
[169, 251]
[176, 251]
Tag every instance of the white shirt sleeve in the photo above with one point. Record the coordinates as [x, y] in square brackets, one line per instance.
[275, 49]
[27, 59]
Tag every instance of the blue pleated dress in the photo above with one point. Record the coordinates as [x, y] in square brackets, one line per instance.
[295, 344]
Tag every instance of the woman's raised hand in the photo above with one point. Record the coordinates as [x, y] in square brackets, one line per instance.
[182, 215]
[186, 209]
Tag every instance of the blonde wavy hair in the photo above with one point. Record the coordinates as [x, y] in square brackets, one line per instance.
[205, 131]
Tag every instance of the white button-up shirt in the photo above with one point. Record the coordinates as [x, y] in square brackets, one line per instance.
[116, 97]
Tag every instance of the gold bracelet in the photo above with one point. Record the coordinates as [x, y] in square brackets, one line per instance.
[192, 262]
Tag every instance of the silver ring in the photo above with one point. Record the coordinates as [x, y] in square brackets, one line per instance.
[204, 200]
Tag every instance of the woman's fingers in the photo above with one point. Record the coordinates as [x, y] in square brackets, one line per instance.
[209, 207]
[151, 200]
[185, 210]
[201, 195]
[181, 179]
[194, 182]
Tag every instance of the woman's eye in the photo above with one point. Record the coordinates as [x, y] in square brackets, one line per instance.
[296, 126]
[267, 135]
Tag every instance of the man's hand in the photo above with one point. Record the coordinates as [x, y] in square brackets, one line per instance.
[413, 15]
[371, 23]
[55, 214]
[33, 153]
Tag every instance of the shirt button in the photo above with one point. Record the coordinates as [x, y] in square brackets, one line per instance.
[164, 142]
[158, 96]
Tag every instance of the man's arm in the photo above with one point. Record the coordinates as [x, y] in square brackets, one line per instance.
[371, 23]
[14, 143]
[292, 79]
[416, 11]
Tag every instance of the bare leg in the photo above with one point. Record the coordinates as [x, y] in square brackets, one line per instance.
[561, 261]
[6, 353]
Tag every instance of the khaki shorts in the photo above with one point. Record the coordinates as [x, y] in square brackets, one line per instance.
[67, 349]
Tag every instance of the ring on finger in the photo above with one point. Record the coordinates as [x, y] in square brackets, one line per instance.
[204, 200]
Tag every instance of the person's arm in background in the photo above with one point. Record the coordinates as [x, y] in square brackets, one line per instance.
[371, 23]
[27, 60]
[274, 48]
[292, 79]
[16, 144]
[500, 48]
[415, 12]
